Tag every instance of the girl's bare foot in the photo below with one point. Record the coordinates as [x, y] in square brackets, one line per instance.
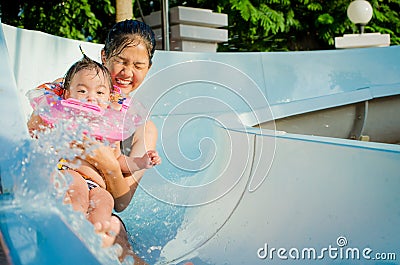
[108, 230]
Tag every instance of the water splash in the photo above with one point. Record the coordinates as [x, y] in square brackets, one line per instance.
[40, 188]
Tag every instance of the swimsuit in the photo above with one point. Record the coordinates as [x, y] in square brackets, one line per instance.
[90, 183]
[56, 88]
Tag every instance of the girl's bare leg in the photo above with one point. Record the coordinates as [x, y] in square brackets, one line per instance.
[77, 193]
[99, 214]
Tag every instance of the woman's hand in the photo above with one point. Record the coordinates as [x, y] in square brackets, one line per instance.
[99, 155]
[103, 158]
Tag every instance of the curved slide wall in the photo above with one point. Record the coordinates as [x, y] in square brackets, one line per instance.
[228, 193]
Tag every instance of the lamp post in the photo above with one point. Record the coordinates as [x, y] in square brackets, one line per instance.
[165, 24]
[360, 13]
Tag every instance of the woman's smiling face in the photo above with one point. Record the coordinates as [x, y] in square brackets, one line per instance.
[129, 68]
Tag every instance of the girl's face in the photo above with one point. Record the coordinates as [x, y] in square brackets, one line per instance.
[129, 68]
[91, 86]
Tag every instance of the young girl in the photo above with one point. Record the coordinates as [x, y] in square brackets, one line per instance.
[127, 54]
[90, 82]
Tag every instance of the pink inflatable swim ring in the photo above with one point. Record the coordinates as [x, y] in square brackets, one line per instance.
[110, 124]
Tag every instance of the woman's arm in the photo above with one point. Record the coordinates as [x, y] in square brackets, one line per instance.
[122, 186]
[104, 159]
[145, 138]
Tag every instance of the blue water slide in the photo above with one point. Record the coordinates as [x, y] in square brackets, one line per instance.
[29, 235]
[244, 178]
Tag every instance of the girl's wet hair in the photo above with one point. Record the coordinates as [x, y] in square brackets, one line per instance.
[128, 32]
[87, 64]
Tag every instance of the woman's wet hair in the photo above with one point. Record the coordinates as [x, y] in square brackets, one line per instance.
[129, 32]
[87, 64]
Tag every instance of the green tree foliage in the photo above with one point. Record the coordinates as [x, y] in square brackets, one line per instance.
[281, 25]
[75, 19]
[262, 25]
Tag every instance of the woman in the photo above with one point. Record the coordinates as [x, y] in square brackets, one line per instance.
[128, 53]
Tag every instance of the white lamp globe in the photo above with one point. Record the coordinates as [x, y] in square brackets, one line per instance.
[359, 12]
